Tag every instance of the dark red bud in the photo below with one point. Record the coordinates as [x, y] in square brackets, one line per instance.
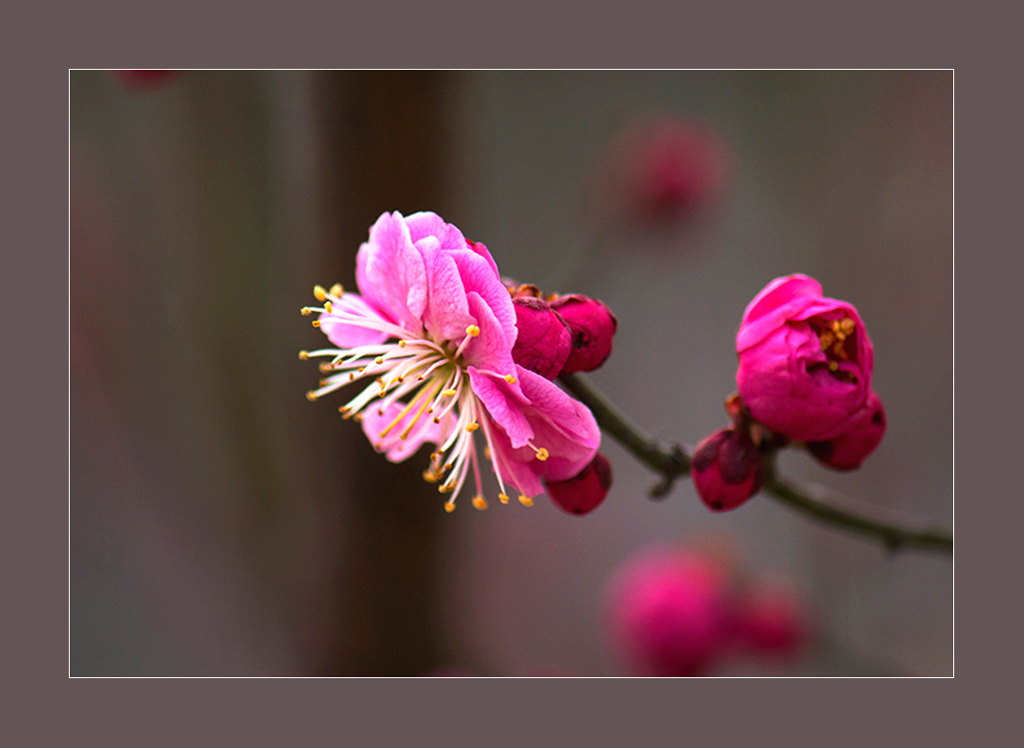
[772, 620]
[584, 492]
[848, 450]
[592, 325]
[146, 79]
[726, 469]
[543, 341]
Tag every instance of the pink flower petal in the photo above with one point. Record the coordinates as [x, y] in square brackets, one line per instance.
[347, 335]
[391, 444]
[426, 224]
[489, 350]
[390, 272]
[478, 275]
[504, 405]
[447, 313]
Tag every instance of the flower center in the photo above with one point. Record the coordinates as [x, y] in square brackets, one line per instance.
[839, 344]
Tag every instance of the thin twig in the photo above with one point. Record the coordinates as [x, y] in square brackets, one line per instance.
[673, 461]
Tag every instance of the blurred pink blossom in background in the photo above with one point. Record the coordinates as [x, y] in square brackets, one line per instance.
[661, 170]
[146, 79]
[680, 611]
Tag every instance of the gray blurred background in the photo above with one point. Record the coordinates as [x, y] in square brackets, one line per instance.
[220, 524]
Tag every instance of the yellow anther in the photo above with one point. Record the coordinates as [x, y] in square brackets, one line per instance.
[323, 367]
[337, 290]
[471, 427]
[542, 454]
[510, 379]
[487, 452]
[503, 497]
[311, 396]
[378, 360]
[449, 506]
[306, 311]
[434, 456]
[473, 331]
[826, 340]
[449, 393]
[351, 376]
[847, 325]
[316, 323]
[402, 344]
[319, 292]
[430, 476]
[328, 307]
[437, 420]
[525, 500]
[303, 355]
[446, 488]
[833, 366]
[480, 503]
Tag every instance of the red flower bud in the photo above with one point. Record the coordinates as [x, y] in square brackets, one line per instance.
[585, 491]
[848, 450]
[726, 469]
[592, 325]
[772, 620]
[543, 341]
[145, 79]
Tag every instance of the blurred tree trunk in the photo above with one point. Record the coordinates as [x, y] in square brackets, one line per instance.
[383, 136]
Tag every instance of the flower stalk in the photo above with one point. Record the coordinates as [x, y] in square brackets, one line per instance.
[673, 461]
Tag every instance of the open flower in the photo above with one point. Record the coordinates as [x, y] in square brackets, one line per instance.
[805, 361]
[433, 329]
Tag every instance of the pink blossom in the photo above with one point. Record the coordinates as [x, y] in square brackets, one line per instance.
[726, 469]
[670, 612]
[592, 325]
[584, 492]
[848, 450]
[665, 169]
[805, 361]
[432, 331]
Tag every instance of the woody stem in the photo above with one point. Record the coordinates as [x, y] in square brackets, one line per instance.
[673, 461]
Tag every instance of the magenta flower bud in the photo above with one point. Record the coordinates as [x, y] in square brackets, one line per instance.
[662, 170]
[670, 613]
[805, 361]
[585, 491]
[848, 450]
[543, 341]
[592, 325]
[772, 620]
[146, 79]
[726, 469]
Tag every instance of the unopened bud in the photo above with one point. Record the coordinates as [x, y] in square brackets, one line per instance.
[727, 469]
[592, 326]
[848, 450]
[586, 490]
[543, 341]
[772, 620]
